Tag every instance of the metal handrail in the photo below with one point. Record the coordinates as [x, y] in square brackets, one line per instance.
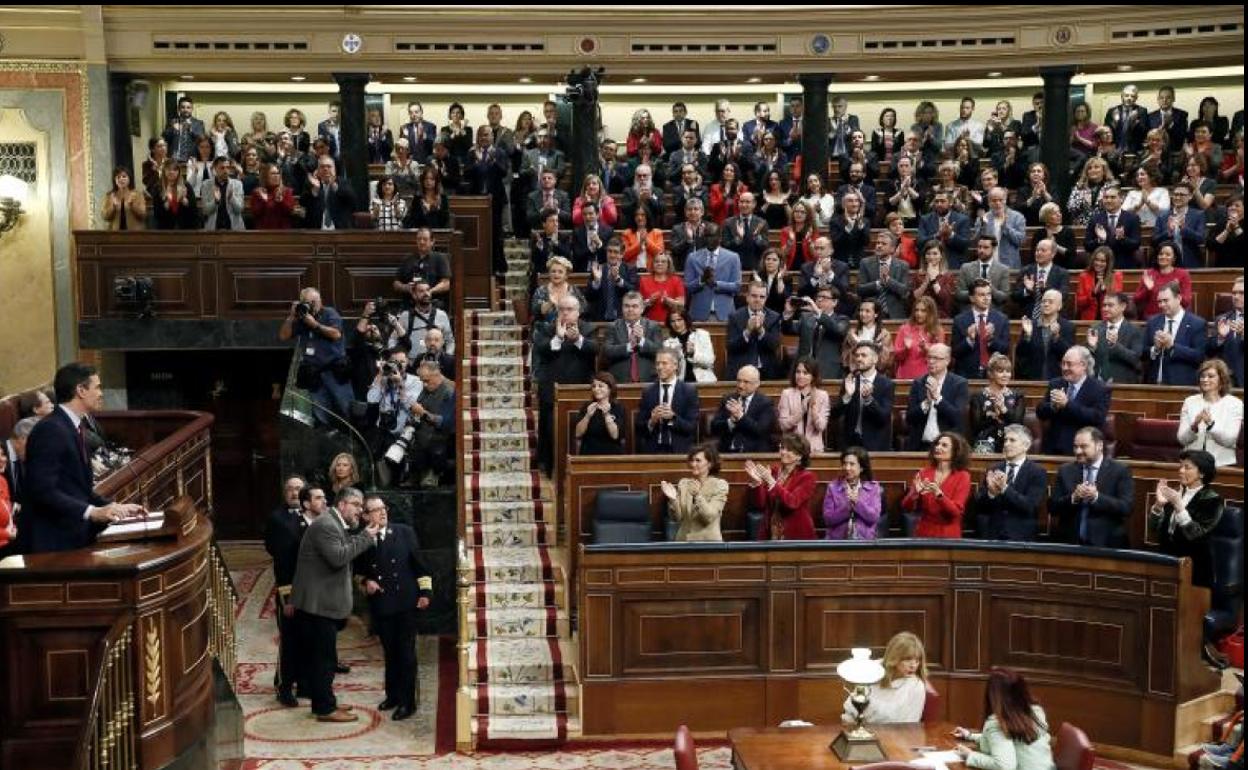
[222, 599]
[107, 739]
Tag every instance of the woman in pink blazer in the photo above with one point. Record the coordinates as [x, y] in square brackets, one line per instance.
[804, 406]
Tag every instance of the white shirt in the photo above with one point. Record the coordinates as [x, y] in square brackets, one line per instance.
[1220, 440]
[900, 701]
[932, 429]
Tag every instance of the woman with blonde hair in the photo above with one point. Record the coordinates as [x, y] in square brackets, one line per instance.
[174, 206]
[902, 693]
[343, 472]
[1085, 196]
[593, 192]
[261, 137]
[223, 135]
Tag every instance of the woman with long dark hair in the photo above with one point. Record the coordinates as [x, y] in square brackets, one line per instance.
[1015, 732]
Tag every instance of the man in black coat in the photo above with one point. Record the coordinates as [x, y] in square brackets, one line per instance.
[753, 336]
[746, 234]
[745, 419]
[666, 421]
[589, 241]
[567, 352]
[1009, 499]
[63, 510]
[397, 585]
[330, 204]
[1093, 496]
[282, 534]
[937, 402]
[1111, 226]
[865, 405]
[1227, 340]
[1074, 401]
[820, 330]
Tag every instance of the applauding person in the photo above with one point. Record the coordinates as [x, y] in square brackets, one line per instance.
[696, 503]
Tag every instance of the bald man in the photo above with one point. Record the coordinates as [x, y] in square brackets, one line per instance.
[937, 402]
[746, 418]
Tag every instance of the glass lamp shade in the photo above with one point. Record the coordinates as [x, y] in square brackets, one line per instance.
[859, 669]
[13, 188]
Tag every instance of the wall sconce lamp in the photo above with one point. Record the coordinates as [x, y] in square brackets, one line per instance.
[13, 192]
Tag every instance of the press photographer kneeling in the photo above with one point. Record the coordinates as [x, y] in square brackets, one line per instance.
[325, 371]
[371, 342]
[395, 392]
[421, 452]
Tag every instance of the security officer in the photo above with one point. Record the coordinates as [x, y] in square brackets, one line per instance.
[397, 585]
[282, 533]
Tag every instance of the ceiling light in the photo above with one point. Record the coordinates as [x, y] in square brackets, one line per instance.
[755, 79]
[186, 77]
[298, 78]
[871, 78]
[1125, 68]
[409, 78]
[994, 74]
[526, 79]
[639, 80]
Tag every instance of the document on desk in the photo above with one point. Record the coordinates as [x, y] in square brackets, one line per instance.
[153, 521]
[937, 760]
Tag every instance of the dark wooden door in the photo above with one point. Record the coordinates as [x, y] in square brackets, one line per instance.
[241, 389]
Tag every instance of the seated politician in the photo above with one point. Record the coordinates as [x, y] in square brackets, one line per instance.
[696, 503]
[902, 694]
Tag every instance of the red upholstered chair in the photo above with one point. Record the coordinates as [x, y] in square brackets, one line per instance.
[1156, 440]
[686, 754]
[1073, 750]
[931, 704]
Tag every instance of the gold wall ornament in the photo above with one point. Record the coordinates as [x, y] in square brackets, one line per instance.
[151, 662]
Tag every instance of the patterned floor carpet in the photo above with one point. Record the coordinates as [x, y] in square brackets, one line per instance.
[277, 738]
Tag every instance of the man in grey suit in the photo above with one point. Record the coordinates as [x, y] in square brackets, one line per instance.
[221, 198]
[1007, 226]
[632, 342]
[886, 278]
[996, 274]
[1116, 344]
[322, 595]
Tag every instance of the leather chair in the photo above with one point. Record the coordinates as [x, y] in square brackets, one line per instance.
[1227, 543]
[1156, 440]
[1072, 750]
[686, 754]
[621, 517]
[1110, 429]
[931, 704]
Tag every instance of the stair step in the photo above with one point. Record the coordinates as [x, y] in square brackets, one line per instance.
[498, 348]
[500, 442]
[491, 318]
[514, 564]
[510, 535]
[515, 512]
[499, 421]
[518, 400]
[503, 487]
[485, 369]
[519, 661]
[526, 699]
[498, 333]
[522, 733]
[498, 462]
[532, 595]
[518, 623]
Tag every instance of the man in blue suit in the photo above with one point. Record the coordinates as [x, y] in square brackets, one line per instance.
[951, 228]
[1227, 343]
[666, 421]
[712, 279]
[1111, 226]
[753, 336]
[64, 512]
[979, 332]
[1007, 502]
[1182, 224]
[938, 401]
[1074, 401]
[1176, 340]
[1169, 119]
[418, 132]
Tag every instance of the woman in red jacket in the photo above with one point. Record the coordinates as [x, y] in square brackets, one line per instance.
[8, 528]
[726, 194]
[784, 492]
[1095, 281]
[939, 492]
[273, 205]
[642, 131]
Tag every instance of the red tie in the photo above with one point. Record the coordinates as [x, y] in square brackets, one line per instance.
[983, 341]
[82, 443]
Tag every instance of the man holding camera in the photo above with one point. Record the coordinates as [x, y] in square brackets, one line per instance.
[433, 266]
[432, 427]
[820, 329]
[325, 371]
[395, 392]
[412, 325]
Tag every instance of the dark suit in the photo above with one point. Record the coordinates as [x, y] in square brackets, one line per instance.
[341, 202]
[1089, 408]
[1177, 365]
[1191, 236]
[486, 174]
[1129, 125]
[1230, 349]
[423, 148]
[1176, 131]
[605, 301]
[1105, 522]
[394, 563]
[809, 286]
[681, 242]
[619, 359]
[839, 131]
[1011, 515]
[1119, 363]
[1056, 278]
[739, 152]
[998, 277]
[380, 144]
[966, 353]
[282, 535]
[674, 436]
[1032, 124]
[1033, 360]
[753, 432]
[848, 243]
[543, 248]
[632, 199]
[950, 412]
[820, 337]
[536, 203]
[959, 239]
[582, 254]
[182, 142]
[1191, 539]
[1125, 248]
[892, 295]
[59, 487]
[751, 244]
[567, 365]
[672, 132]
[761, 349]
[876, 432]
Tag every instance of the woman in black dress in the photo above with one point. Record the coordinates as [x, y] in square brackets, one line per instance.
[600, 423]
[995, 407]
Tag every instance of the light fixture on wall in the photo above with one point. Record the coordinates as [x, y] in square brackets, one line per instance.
[13, 192]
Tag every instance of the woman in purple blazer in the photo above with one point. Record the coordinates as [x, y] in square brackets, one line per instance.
[854, 502]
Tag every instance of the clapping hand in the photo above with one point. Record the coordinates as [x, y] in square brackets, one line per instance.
[1224, 327]
[595, 270]
[1059, 398]
[669, 490]
[867, 390]
[1162, 341]
[1027, 325]
[1166, 493]
[735, 408]
[989, 329]
[1093, 338]
[995, 481]
[754, 471]
[850, 386]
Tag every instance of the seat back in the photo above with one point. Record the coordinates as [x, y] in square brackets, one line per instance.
[1110, 430]
[1156, 440]
[1227, 543]
[931, 703]
[1072, 749]
[621, 517]
[686, 754]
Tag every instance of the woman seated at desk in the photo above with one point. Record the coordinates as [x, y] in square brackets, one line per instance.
[696, 503]
[1015, 735]
[901, 695]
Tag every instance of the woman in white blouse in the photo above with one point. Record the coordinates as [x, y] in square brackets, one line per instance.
[1150, 198]
[823, 204]
[901, 695]
[697, 355]
[1211, 419]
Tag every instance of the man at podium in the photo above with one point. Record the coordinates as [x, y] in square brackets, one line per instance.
[63, 510]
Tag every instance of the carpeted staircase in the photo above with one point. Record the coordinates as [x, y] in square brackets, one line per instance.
[521, 673]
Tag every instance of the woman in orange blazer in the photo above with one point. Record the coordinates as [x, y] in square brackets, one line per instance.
[939, 492]
[641, 234]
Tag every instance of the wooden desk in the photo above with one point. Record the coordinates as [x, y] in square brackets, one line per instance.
[784, 748]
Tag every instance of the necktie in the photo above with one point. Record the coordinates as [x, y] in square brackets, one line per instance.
[982, 338]
[1041, 275]
[1089, 477]
[1009, 474]
[983, 270]
[327, 223]
[1113, 225]
[634, 368]
[82, 444]
[665, 400]
[858, 395]
[1161, 359]
[818, 340]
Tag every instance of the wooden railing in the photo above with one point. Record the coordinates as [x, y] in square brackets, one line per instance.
[108, 734]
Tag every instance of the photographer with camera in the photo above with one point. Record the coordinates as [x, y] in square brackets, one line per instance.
[412, 325]
[395, 392]
[433, 266]
[325, 371]
[372, 340]
[425, 443]
[435, 351]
